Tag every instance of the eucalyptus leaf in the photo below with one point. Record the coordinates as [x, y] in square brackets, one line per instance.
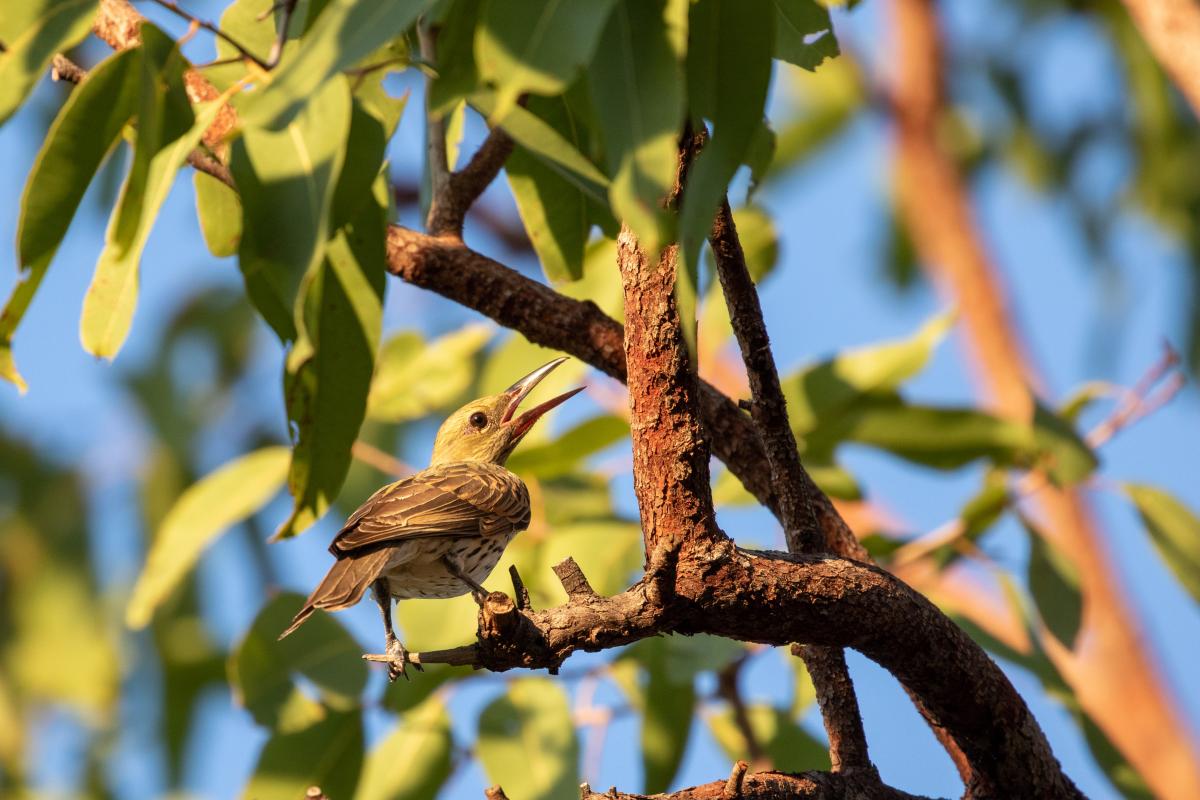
[804, 33]
[220, 213]
[1175, 530]
[327, 754]
[414, 761]
[1054, 584]
[789, 747]
[415, 378]
[53, 26]
[527, 741]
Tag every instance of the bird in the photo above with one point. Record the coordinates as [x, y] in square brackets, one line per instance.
[439, 532]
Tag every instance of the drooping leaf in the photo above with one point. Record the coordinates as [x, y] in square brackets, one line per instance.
[402, 696]
[1066, 456]
[85, 130]
[413, 762]
[728, 72]
[327, 754]
[457, 75]
[286, 181]
[531, 46]
[803, 33]
[415, 378]
[668, 706]
[167, 132]
[330, 366]
[220, 213]
[546, 143]
[345, 31]
[1175, 530]
[261, 666]
[203, 512]
[638, 93]
[1054, 584]
[553, 210]
[527, 741]
[31, 37]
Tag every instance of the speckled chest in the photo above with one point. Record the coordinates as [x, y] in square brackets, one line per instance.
[424, 574]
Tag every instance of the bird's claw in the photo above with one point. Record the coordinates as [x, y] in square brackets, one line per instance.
[397, 660]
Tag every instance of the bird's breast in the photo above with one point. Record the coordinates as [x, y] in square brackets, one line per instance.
[422, 572]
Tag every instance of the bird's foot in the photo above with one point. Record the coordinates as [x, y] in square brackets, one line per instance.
[397, 660]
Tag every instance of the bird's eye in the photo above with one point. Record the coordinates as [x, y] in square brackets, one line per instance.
[479, 420]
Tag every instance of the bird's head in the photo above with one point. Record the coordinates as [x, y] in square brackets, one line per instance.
[488, 429]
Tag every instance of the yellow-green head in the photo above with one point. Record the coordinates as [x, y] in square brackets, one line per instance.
[488, 429]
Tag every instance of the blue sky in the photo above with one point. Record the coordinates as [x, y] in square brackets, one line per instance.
[827, 294]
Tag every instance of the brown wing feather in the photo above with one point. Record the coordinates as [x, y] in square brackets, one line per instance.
[459, 499]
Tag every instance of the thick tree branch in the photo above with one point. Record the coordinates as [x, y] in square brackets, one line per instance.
[1172, 29]
[772, 786]
[1113, 676]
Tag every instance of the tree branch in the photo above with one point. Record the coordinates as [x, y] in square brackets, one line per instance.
[1172, 29]
[463, 188]
[772, 786]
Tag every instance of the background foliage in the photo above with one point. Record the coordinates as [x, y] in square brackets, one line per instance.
[140, 601]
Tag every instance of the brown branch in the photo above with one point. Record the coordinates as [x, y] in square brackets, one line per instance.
[728, 690]
[463, 188]
[494, 793]
[64, 69]
[383, 461]
[1114, 677]
[215, 30]
[1172, 29]
[771, 786]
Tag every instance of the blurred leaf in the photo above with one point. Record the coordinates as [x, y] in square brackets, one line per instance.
[261, 666]
[517, 357]
[1175, 530]
[804, 33]
[527, 741]
[1119, 771]
[728, 73]
[207, 509]
[1054, 584]
[286, 181]
[252, 25]
[330, 366]
[1067, 458]
[53, 26]
[403, 696]
[601, 284]
[804, 694]
[667, 702]
[546, 143]
[828, 101]
[553, 209]
[530, 46]
[789, 747]
[85, 130]
[415, 378]
[565, 453]
[167, 131]
[414, 761]
[457, 75]
[573, 498]
[345, 32]
[637, 90]
[220, 213]
[1081, 399]
[328, 754]
[437, 624]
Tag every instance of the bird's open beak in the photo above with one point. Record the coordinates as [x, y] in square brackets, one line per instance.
[521, 389]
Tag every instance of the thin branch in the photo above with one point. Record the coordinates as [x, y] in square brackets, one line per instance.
[494, 793]
[288, 7]
[384, 462]
[174, 8]
[728, 689]
[64, 69]
[437, 160]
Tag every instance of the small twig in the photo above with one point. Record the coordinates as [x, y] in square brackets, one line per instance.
[315, 793]
[174, 8]
[288, 7]
[384, 462]
[495, 793]
[519, 591]
[64, 69]
[733, 786]
[573, 580]
[435, 131]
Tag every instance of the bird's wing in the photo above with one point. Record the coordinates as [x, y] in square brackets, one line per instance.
[459, 499]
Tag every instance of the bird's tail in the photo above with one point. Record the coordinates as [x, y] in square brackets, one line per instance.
[342, 586]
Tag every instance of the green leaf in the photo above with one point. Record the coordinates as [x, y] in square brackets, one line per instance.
[535, 46]
[728, 72]
[543, 141]
[789, 747]
[1054, 584]
[261, 666]
[327, 754]
[527, 741]
[565, 453]
[609, 551]
[55, 26]
[457, 75]
[668, 706]
[1066, 457]
[85, 130]
[637, 90]
[804, 33]
[167, 131]
[250, 24]
[1120, 772]
[345, 32]
[414, 761]
[833, 385]
[402, 696]
[203, 512]
[330, 366]
[220, 213]
[553, 209]
[286, 181]
[1175, 530]
[415, 378]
